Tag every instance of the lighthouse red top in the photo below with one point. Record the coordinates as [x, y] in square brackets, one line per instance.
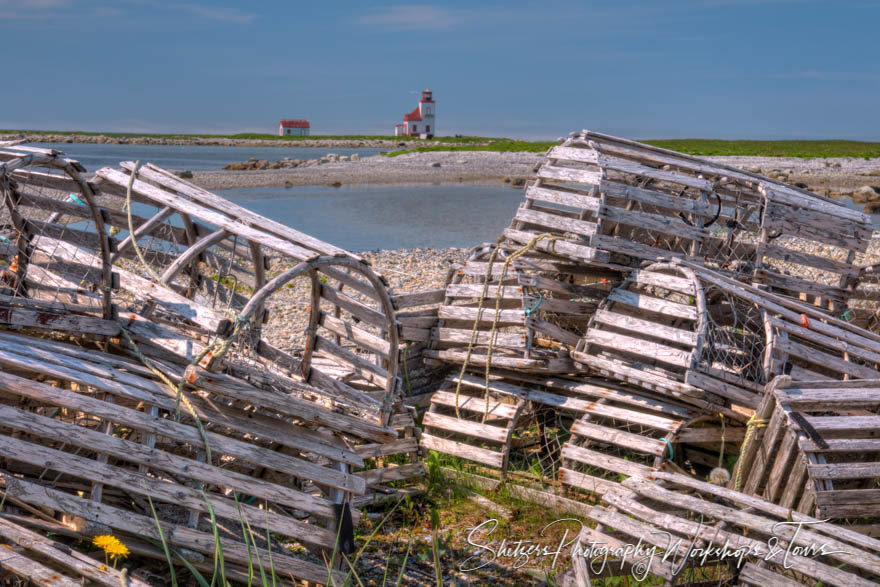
[426, 96]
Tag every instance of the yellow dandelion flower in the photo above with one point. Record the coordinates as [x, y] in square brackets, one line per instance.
[111, 546]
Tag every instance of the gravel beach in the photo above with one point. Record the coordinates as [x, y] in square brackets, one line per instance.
[840, 175]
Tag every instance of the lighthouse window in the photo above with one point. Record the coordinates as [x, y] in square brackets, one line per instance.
[415, 128]
[428, 128]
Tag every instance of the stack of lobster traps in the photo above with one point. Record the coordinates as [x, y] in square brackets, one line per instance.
[637, 316]
[141, 399]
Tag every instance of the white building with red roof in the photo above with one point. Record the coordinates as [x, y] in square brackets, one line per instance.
[291, 127]
[420, 122]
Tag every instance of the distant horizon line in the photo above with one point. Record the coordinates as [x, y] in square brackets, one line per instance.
[216, 134]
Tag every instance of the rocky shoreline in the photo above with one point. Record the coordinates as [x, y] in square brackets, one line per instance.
[858, 179]
[219, 141]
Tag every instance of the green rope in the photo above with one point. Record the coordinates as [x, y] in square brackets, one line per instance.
[669, 446]
[533, 309]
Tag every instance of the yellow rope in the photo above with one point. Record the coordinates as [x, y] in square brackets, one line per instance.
[498, 296]
[473, 339]
[721, 454]
[752, 425]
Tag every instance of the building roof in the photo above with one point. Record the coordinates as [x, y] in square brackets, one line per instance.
[290, 123]
[414, 116]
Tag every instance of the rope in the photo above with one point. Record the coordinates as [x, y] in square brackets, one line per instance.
[752, 425]
[137, 249]
[721, 453]
[406, 370]
[473, 339]
[510, 259]
[178, 389]
[669, 446]
[533, 309]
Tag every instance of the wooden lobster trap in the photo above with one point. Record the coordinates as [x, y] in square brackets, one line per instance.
[714, 342]
[517, 308]
[685, 531]
[175, 364]
[816, 450]
[613, 201]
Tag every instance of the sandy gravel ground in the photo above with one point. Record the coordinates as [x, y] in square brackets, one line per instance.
[821, 175]
[411, 168]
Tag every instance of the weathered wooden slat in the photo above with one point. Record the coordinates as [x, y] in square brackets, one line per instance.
[496, 409]
[604, 434]
[671, 282]
[179, 536]
[555, 222]
[462, 450]
[485, 432]
[144, 485]
[721, 388]
[640, 347]
[632, 374]
[825, 360]
[554, 332]
[419, 298]
[486, 315]
[57, 321]
[582, 155]
[359, 365]
[167, 179]
[180, 432]
[657, 305]
[634, 324]
[809, 260]
[603, 461]
[475, 290]
[362, 338]
[596, 408]
[288, 404]
[586, 482]
[677, 203]
[164, 198]
[559, 247]
[666, 224]
[354, 307]
[568, 174]
[563, 197]
[817, 226]
[463, 336]
[401, 446]
[33, 572]
[624, 166]
[80, 564]
[389, 474]
[547, 365]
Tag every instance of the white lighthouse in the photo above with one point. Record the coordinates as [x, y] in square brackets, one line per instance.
[421, 121]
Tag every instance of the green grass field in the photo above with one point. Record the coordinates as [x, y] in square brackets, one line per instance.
[802, 149]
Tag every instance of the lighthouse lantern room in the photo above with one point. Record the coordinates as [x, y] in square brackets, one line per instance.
[419, 122]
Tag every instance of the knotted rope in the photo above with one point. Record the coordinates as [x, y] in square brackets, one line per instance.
[533, 242]
[752, 425]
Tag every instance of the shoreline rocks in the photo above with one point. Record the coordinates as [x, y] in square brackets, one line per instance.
[220, 141]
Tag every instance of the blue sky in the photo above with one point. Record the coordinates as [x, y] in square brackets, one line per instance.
[539, 69]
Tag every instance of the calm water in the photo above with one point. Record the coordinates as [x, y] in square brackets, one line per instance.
[367, 217]
[191, 157]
